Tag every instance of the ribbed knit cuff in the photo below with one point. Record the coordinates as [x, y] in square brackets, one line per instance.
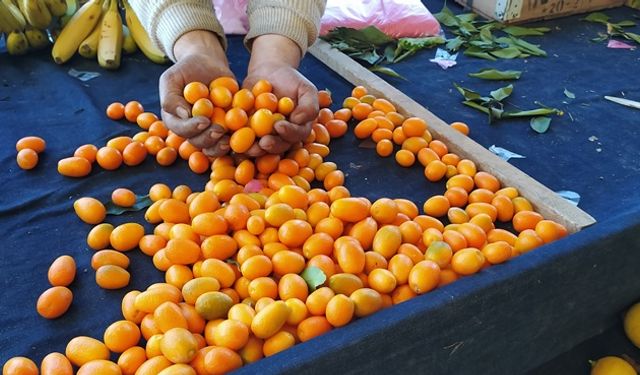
[282, 21]
[181, 17]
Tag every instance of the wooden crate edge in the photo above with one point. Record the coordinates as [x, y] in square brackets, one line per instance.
[547, 202]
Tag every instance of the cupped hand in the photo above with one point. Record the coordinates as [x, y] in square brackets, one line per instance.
[287, 81]
[193, 65]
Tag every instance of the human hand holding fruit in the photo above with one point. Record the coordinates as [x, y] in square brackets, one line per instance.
[199, 58]
[275, 58]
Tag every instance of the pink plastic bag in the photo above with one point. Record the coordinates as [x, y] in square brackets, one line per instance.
[397, 18]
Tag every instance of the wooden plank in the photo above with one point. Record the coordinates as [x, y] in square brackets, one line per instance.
[545, 201]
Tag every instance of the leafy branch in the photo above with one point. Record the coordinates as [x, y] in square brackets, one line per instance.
[376, 48]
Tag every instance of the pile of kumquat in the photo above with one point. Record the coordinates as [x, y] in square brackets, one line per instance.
[237, 255]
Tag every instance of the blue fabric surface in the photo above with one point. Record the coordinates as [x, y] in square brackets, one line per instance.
[508, 319]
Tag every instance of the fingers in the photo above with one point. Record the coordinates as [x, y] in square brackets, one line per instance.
[207, 138]
[273, 144]
[220, 148]
[255, 151]
[307, 108]
[171, 99]
[188, 128]
[291, 132]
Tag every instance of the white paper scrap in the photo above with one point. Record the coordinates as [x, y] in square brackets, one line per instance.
[505, 154]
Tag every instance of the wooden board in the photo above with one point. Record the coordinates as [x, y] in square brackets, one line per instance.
[545, 201]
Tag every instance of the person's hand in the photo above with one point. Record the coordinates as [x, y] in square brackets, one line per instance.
[199, 57]
[275, 58]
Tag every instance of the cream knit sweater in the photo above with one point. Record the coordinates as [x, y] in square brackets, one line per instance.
[167, 20]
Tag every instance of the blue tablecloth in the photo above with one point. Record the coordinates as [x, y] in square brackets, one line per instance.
[507, 319]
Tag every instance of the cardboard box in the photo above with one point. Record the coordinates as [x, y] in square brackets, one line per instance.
[519, 11]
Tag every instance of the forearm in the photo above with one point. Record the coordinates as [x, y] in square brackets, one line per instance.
[271, 48]
[200, 42]
[298, 20]
[166, 21]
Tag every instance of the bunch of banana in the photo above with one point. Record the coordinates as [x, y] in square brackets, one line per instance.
[26, 22]
[96, 31]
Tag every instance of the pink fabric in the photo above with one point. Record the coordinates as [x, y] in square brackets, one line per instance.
[396, 18]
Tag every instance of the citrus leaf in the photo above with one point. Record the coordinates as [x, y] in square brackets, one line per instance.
[625, 23]
[506, 53]
[633, 36]
[467, 93]
[314, 277]
[446, 17]
[540, 124]
[385, 70]
[142, 201]
[597, 17]
[502, 93]
[569, 94]
[527, 47]
[533, 112]
[496, 75]
[525, 31]
[479, 54]
[233, 262]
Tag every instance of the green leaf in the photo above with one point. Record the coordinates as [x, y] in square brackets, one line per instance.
[142, 201]
[466, 17]
[368, 35]
[454, 44]
[569, 94]
[314, 277]
[476, 106]
[467, 28]
[408, 46]
[479, 54]
[446, 17]
[502, 93]
[496, 75]
[506, 53]
[527, 47]
[540, 124]
[467, 93]
[633, 36]
[370, 56]
[597, 17]
[525, 31]
[486, 36]
[386, 70]
[625, 23]
[533, 112]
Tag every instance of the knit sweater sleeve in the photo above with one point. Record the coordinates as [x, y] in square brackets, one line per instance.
[298, 20]
[168, 20]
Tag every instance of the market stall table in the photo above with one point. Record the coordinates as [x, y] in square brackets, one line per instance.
[510, 318]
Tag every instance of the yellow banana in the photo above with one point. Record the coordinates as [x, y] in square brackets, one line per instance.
[58, 8]
[17, 43]
[110, 44]
[72, 6]
[76, 30]
[10, 17]
[89, 46]
[129, 45]
[36, 37]
[36, 13]
[141, 37]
